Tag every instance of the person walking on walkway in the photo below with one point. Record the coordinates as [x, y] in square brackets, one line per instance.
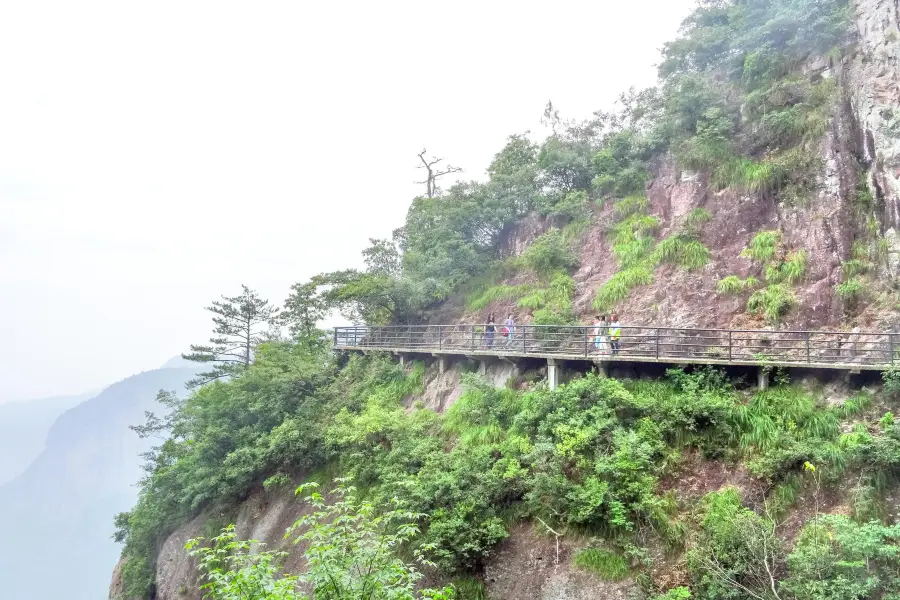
[489, 331]
[601, 334]
[615, 334]
[510, 325]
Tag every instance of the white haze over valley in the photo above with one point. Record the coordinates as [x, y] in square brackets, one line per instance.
[156, 155]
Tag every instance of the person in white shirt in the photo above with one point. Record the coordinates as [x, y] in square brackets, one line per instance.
[510, 329]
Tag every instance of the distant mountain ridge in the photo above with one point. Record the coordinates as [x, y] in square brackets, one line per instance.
[70, 493]
[23, 430]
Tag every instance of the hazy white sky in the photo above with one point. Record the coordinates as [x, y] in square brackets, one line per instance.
[156, 155]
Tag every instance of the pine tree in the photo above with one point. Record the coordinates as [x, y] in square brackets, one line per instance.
[241, 324]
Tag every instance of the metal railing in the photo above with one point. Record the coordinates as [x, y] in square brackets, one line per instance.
[653, 344]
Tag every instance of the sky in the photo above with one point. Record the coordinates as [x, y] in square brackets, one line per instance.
[154, 156]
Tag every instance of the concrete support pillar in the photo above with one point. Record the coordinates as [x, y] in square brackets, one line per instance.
[552, 373]
[482, 367]
[402, 360]
[602, 368]
[442, 364]
[762, 379]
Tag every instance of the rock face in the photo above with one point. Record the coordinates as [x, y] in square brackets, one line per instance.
[874, 83]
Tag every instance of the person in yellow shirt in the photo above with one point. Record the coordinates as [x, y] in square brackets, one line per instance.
[615, 334]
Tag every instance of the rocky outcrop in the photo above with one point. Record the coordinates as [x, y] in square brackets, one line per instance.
[874, 85]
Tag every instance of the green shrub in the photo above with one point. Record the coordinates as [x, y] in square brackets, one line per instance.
[851, 288]
[852, 268]
[733, 285]
[682, 250]
[278, 481]
[772, 302]
[548, 254]
[791, 271]
[608, 565]
[573, 206]
[838, 558]
[679, 593]
[762, 246]
[697, 218]
[630, 205]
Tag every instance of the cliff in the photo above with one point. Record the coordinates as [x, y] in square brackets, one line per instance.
[759, 187]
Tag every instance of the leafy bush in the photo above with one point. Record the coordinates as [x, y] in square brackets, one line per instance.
[548, 255]
[838, 558]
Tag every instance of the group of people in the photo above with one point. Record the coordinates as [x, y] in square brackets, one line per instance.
[508, 331]
[607, 332]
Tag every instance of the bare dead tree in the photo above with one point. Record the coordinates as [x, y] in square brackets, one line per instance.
[434, 172]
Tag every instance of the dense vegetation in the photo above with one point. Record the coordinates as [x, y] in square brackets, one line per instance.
[596, 458]
[587, 459]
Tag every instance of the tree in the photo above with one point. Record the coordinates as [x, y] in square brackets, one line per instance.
[434, 173]
[303, 310]
[241, 324]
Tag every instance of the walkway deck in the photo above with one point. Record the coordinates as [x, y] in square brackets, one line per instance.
[811, 349]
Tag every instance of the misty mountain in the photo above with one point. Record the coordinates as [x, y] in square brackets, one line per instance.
[56, 518]
[23, 430]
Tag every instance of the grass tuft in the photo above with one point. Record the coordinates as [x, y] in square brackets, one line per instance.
[608, 565]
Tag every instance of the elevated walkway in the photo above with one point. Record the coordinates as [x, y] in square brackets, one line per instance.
[850, 351]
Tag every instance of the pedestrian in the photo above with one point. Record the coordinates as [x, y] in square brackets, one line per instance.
[615, 334]
[489, 331]
[601, 334]
[510, 329]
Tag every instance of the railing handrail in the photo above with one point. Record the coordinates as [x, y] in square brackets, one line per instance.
[851, 349]
[653, 327]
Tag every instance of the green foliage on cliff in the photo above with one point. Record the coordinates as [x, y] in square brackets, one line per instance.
[585, 458]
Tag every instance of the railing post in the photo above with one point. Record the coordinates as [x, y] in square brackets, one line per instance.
[729, 345]
[440, 337]
[473, 338]
[525, 329]
[891, 346]
[807, 348]
[335, 336]
[657, 343]
[585, 341]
